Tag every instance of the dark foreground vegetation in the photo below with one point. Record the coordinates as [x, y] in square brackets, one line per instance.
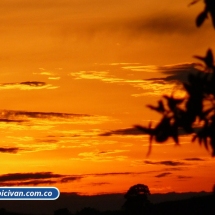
[201, 205]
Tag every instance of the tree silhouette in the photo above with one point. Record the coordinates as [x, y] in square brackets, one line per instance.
[208, 9]
[195, 112]
[137, 199]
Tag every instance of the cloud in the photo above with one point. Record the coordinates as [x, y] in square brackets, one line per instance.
[156, 24]
[99, 183]
[184, 177]
[41, 115]
[194, 159]
[70, 178]
[133, 131]
[27, 85]
[51, 75]
[52, 118]
[101, 156]
[174, 169]
[22, 179]
[115, 173]
[28, 176]
[132, 76]
[12, 150]
[166, 163]
[125, 131]
[12, 120]
[163, 174]
[163, 23]
[176, 72]
[26, 183]
[46, 140]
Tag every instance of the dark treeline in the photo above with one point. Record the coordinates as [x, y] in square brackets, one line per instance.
[195, 205]
[203, 205]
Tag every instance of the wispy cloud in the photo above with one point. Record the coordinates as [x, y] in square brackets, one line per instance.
[70, 178]
[184, 177]
[122, 173]
[27, 183]
[169, 77]
[39, 178]
[176, 72]
[53, 117]
[166, 163]
[37, 147]
[101, 156]
[194, 159]
[99, 183]
[50, 75]
[125, 131]
[43, 115]
[28, 176]
[163, 174]
[27, 85]
[22, 179]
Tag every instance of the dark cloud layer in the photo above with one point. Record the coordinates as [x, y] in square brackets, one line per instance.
[33, 83]
[134, 131]
[166, 163]
[26, 183]
[27, 83]
[22, 179]
[163, 23]
[176, 73]
[125, 131]
[28, 176]
[70, 178]
[155, 24]
[184, 177]
[163, 174]
[194, 159]
[12, 120]
[12, 150]
[11, 115]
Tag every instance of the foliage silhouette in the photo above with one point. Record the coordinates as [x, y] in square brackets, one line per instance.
[137, 200]
[88, 211]
[62, 211]
[195, 112]
[209, 9]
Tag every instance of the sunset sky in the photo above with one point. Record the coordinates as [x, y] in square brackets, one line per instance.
[76, 75]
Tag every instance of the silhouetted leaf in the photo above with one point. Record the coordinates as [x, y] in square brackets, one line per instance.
[205, 141]
[212, 143]
[143, 129]
[193, 2]
[210, 5]
[162, 130]
[150, 141]
[172, 102]
[208, 59]
[174, 134]
[160, 108]
[206, 112]
[194, 138]
[201, 18]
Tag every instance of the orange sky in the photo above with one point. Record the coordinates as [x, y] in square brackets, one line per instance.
[74, 70]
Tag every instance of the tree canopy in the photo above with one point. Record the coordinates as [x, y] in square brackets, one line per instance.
[195, 112]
